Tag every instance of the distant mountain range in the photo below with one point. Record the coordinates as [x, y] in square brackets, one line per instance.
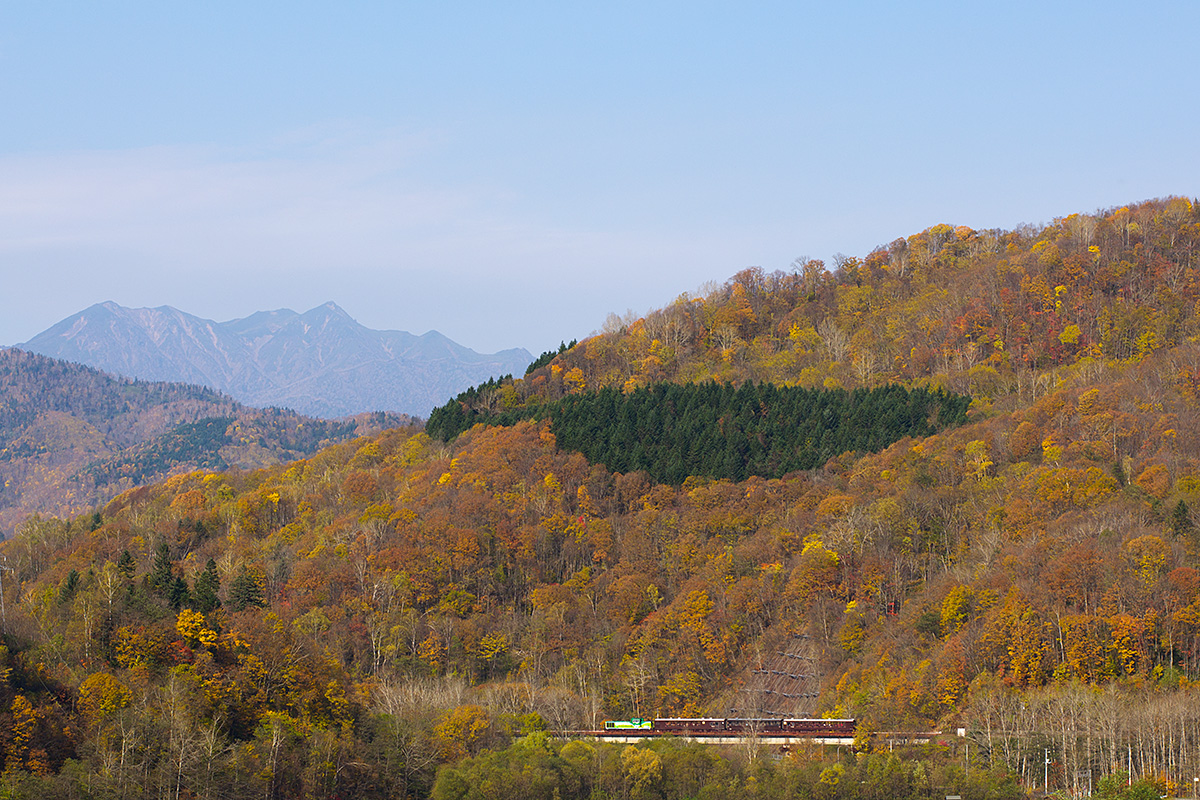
[322, 363]
[72, 437]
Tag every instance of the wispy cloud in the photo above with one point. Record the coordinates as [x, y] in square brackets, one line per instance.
[299, 202]
[370, 219]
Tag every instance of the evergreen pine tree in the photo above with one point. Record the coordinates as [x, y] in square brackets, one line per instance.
[177, 593]
[160, 576]
[126, 565]
[1181, 519]
[204, 598]
[245, 590]
[67, 593]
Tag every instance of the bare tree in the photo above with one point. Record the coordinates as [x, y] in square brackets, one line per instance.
[865, 366]
[1082, 228]
[725, 336]
[837, 343]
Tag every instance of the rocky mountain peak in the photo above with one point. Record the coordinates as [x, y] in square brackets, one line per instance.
[321, 362]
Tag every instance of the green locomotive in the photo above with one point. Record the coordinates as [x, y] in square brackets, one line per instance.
[634, 724]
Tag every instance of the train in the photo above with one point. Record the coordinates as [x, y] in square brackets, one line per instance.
[634, 724]
[715, 725]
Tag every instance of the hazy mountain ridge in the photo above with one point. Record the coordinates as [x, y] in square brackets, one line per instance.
[321, 362]
[72, 436]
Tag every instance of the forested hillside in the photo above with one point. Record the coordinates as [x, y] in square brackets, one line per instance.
[675, 431]
[399, 602]
[71, 436]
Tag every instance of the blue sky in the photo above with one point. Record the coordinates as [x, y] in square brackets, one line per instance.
[510, 173]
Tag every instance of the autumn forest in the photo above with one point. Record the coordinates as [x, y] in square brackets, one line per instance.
[965, 468]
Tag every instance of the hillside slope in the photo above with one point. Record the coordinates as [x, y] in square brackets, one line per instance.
[322, 362]
[72, 437]
[1030, 576]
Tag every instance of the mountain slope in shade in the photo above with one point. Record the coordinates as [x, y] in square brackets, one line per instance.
[322, 362]
[72, 437]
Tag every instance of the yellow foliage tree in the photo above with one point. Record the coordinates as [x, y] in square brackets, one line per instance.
[194, 630]
[460, 731]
